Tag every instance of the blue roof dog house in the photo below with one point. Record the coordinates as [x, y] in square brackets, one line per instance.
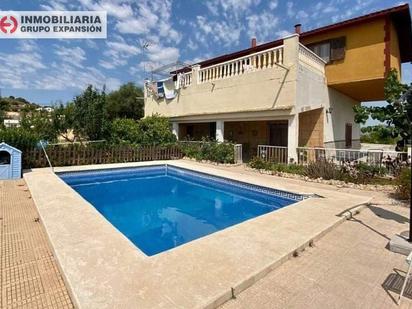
[10, 162]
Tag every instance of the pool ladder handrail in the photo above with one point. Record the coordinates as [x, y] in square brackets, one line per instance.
[47, 157]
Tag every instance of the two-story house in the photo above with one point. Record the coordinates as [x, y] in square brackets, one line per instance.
[296, 91]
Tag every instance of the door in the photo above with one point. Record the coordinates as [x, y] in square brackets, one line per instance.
[5, 165]
[348, 135]
[278, 134]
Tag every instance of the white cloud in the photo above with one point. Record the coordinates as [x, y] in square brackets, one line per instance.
[72, 55]
[28, 45]
[118, 10]
[262, 25]
[219, 31]
[273, 4]
[163, 55]
[54, 5]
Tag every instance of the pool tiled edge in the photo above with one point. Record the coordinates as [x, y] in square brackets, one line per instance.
[198, 274]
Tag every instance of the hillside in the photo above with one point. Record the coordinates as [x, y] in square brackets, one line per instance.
[12, 104]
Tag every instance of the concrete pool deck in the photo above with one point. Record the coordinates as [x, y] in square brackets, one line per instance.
[103, 269]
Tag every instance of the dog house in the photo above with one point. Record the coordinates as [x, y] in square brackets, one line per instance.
[10, 162]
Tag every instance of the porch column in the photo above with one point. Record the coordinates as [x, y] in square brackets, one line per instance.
[293, 137]
[220, 130]
[175, 129]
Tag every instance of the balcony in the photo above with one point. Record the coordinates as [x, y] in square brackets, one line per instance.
[265, 81]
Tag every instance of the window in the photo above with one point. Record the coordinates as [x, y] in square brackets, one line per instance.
[322, 50]
[330, 50]
[348, 135]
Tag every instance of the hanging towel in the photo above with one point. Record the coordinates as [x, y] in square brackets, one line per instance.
[169, 89]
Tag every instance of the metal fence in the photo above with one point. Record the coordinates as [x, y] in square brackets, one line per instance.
[369, 156]
[305, 155]
[274, 154]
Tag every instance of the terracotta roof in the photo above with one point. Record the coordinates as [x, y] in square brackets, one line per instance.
[400, 16]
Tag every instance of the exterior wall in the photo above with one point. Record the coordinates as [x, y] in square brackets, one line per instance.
[253, 91]
[341, 113]
[364, 56]
[395, 57]
[311, 126]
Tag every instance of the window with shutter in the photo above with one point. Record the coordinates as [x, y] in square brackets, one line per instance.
[337, 48]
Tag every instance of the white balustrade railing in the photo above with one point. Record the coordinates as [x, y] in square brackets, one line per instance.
[238, 154]
[308, 57]
[250, 63]
[275, 154]
[187, 79]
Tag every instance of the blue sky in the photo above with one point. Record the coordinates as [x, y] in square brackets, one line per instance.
[47, 71]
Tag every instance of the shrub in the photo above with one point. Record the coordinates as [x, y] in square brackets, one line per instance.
[209, 150]
[403, 184]
[19, 138]
[155, 130]
[259, 163]
[362, 172]
[323, 169]
[125, 130]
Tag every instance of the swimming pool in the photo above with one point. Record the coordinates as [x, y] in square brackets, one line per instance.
[161, 207]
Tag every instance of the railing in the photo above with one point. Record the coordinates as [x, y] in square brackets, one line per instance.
[187, 79]
[257, 61]
[371, 157]
[308, 57]
[275, 154]
[238, 154]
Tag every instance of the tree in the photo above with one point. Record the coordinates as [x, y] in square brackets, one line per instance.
[156, 130]
[126, 102]
[125, 130]
[4, 107]
[90, 115]
[40, 123]
[378, 134]
[397, 114]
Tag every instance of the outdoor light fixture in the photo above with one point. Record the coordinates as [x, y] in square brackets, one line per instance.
[329, 110]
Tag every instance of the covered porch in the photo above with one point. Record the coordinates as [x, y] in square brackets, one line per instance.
[276, 132]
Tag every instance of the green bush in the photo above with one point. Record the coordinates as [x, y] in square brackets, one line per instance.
[209, 150]
[155, 130]
[403, 184]
[125, 131]
[19, 138]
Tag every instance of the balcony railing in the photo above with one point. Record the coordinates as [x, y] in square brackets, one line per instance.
[251, 63]
[308, 57]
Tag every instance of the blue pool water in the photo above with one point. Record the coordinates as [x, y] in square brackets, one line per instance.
[161, 207]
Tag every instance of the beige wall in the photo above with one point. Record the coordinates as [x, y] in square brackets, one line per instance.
[249, 92]
[341, 114]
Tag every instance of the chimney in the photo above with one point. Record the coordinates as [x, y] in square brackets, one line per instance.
[298, 28]
[253, 43]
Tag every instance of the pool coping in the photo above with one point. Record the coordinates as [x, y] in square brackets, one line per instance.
[161, 285]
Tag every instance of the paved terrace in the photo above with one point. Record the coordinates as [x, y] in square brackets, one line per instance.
[29, 274]
[349, 267]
